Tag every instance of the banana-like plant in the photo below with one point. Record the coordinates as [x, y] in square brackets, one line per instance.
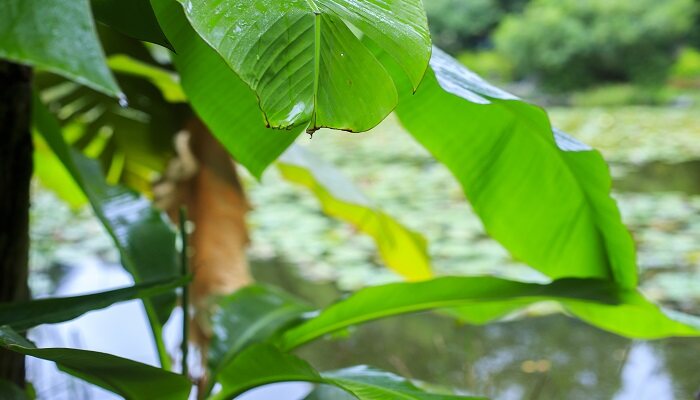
[257, 74]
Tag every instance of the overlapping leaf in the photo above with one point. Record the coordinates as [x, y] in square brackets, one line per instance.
[134, 18]
[128, 378]
[144, 239]
[304, 62]
[224, 102]
[401, 249]
[58, 36]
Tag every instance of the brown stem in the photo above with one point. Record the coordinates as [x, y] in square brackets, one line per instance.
[15, 175]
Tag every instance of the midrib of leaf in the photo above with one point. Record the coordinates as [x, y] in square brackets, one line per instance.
[317, 58]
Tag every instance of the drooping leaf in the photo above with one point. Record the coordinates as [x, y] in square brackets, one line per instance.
[402, 250]
[25, 315]
[221, 99]
[543, 195]
[58, 36]
[146, 242]
[304, 62]
[128, 378]
[262, 364]
[134, 18]
[401, 298]
[250, 315]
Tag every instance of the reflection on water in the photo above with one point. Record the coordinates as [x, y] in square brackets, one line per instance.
[545, 358]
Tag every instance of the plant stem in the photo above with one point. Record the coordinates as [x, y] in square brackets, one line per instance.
[15, 176]
[184, 264]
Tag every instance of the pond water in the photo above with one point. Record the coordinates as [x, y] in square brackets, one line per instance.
[551, 357]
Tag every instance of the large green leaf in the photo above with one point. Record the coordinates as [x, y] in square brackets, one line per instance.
[263, 364]
[250, 315]
[304, 62]
[24, 315]
[401, 298]
[224, 102]
[133, 18]
[401, 249]
[146, 242]
[128, 378]
[58, 36]
[543, 195]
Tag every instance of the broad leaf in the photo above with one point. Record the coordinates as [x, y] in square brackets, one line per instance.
[401, 298]
[403, 251]
[25, 315]
[224, 102]
[134, 18]
[304, 62]
[252, 314]
[128, 378]
[263, 364]
[145, 241]
[58, 36]
[543, 195]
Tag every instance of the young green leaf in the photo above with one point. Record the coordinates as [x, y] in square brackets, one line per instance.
[403, 250]
[146, 242]
[221, 99]
[543, 195]
[125, 377]
[449, 292]
[25, 315]
[58, 36]
[304, 62]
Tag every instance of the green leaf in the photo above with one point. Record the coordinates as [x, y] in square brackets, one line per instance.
[167, 82]
[225, 103]
[403, 250]
[263, 364]
[635, 316]
[401, 298]
[10, 391]
[250, 315]
[543, 195]
[25, 315]
[146, 242]
[128, 378]
[58, 36]
[53, 174]
[372, 384]
[304, 62]
[134, 18]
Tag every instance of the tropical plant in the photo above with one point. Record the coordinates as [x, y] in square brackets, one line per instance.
[255, 75]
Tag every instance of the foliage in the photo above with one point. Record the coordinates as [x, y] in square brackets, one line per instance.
[571, 44]
[687, 66]
[542, 194]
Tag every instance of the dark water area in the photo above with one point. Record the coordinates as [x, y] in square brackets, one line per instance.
[553, 357]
